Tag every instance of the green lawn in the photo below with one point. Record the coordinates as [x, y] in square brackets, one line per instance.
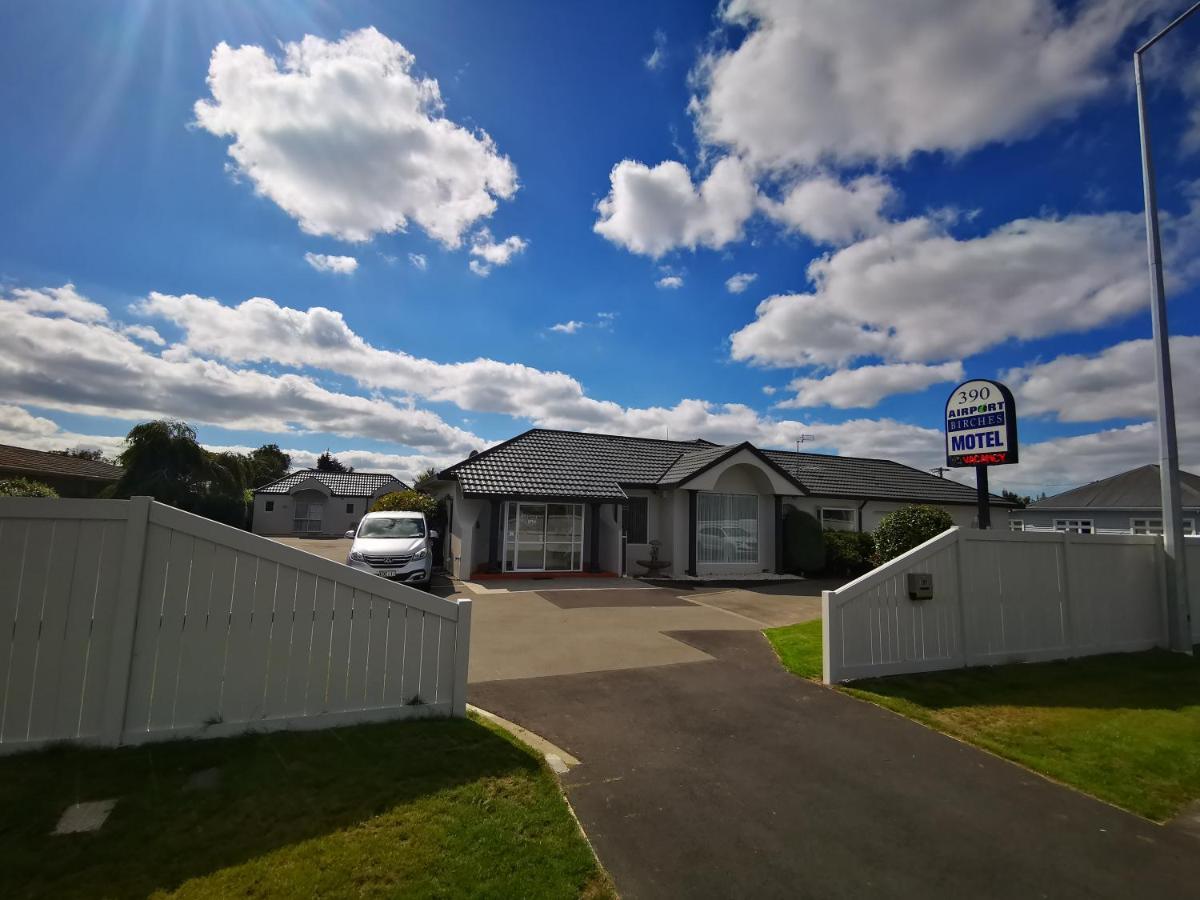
[408, 809]
[1124, 727]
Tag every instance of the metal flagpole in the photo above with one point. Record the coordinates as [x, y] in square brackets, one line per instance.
[1178, 610]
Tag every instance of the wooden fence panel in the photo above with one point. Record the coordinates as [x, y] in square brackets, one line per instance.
[998, 597]
[130, 621]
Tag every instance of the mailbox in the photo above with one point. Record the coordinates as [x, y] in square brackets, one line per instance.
[920, 586]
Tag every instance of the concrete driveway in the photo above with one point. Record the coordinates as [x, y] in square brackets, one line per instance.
[526, 629]
[336, 549]
[707, 770]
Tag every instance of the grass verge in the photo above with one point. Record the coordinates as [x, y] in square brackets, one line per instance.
[407, 809]
[1124, 727]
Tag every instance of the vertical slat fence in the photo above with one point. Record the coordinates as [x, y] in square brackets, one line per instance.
[127, 621]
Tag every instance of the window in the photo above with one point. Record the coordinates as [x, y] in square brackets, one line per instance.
[270, 507]
[543, 537]
[349, 507]
[833, 519]
[727, 528]
[308, 516]
[400, 527]
[1016, 524]
[1155, 526]
[635, 520]
[1074, 526]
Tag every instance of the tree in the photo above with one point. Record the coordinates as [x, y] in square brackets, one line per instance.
[425, 477]
[268, 463]
[407, 500]
[908, 527]
[163, 460]
[25, 487]
[1016, 498]
[80, 453]
[327, 462]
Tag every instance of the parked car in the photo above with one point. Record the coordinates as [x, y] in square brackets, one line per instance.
[395, 545]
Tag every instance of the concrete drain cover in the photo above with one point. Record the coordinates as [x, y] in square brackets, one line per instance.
[84, 817]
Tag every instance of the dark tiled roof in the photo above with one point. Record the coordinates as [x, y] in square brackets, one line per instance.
[688, 464]
[1138, 488]
[543, 463]
[340, 484]
[39, 462]
[876, 479]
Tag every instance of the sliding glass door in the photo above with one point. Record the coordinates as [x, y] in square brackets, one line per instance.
[727, 529]
[543, 537]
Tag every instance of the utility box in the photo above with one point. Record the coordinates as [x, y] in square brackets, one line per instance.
[920, 586]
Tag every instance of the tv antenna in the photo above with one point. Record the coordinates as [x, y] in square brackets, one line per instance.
[802, 439]
[938, 470]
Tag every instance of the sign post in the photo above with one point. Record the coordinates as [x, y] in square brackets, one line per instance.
[981, 431]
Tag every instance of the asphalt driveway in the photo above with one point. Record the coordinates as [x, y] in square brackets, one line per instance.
[722, 775]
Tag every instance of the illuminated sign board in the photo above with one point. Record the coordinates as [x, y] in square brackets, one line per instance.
[981, 425]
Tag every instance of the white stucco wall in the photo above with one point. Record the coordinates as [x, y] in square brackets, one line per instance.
[335, 520]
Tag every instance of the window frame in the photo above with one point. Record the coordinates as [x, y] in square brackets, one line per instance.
[1075, 526]
[1014, 523]
[730, 513]
[269, 506]
[1189, 525]
[630, 517]
[851, 521]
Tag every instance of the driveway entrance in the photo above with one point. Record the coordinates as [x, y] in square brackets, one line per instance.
[524, 629]
[707, 770]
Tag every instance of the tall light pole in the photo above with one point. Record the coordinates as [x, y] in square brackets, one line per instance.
[1179, 620]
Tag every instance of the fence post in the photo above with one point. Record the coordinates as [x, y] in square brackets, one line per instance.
[960, 573]
[827, 637]
[129, 590]
[462, 656]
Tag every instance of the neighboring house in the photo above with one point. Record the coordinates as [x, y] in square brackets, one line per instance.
[69, 475]
[319, 504]
[560, 501]
[1130, 503]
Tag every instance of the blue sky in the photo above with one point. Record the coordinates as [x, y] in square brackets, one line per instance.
[944, 190]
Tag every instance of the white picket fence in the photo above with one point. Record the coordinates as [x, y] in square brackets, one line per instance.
[128, 621]
[1001, 597]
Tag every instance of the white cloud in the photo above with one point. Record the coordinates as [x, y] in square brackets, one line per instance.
[916, 293]
[867, 385]
[653, 210]
[568, 327]
[94, 369]
[418, 261]
[658, 55]
[670, 282]
[825, 80]
[492, 253]
[322, 262]
[346, 139]
[1116, 383]
[735, 284]
[146, 333]
[60, 301]
[830, 212]
[769, 389]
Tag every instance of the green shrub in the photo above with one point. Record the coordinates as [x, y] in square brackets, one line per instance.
[908, 527]
[406, 501]
[803, 543]
[25, 487]
[849, 554]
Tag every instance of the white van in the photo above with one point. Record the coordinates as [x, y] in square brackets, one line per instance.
[396, 545]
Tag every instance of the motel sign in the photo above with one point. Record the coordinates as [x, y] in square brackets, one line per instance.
[981, 425]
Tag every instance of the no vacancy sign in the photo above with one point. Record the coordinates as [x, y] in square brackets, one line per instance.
[981, 425]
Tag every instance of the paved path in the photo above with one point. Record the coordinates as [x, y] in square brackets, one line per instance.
[732, 778]
[563, 629]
